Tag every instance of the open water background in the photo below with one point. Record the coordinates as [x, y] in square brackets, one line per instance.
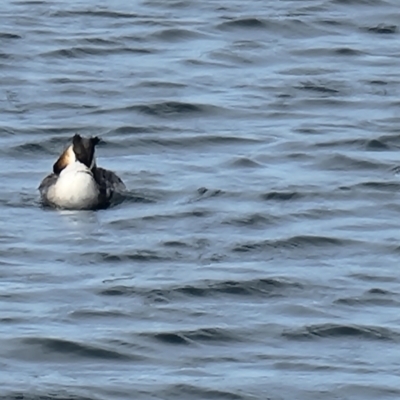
[256, 255]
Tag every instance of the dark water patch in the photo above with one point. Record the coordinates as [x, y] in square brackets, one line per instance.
[142, 143]
[70, 348]
[209, 64]
[337, 331]
[75, 80]
[205, 193]
[94, 314]
[118, 291]
[378, 291]
[369, 390]
[360, 2]
[202, 335]
[87, 51]
[391, 140]
[235, 59]
[258, 287]
[170, 108]
[138, 197]
[318, 88]
[376, 145]
[5, 56]
[197, 392]
[372, 297]
[347, 51]
[263, 287]
[378, 82]
[176, 243]
[323, 52]
[94, 13]
[245, 162]
[31, 148]
[7, 35]
[176, 216]
[134, 129]
[341, 162]
[300, 242]
[373, 278]
[176, 34]
[281, 196]
[97, 41]
[381, 186]
[167, 109]
[31, 2]
[137, 256]
[244, 23]
[356, 143]
[383, 29]
[48, 395]
[161, 84]
[252, 220]
[170, 338]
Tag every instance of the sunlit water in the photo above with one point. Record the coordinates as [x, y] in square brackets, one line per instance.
[256, 254]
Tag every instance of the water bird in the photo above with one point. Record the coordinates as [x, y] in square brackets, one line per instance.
[76, 182]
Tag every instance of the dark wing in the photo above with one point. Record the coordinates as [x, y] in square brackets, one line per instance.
[50, 180]
[45, 185]
[108, 182]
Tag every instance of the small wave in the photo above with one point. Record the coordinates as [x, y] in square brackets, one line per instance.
[197, 392]
[359, 2]
[176, 216]
[318, 87]
[263, 287]
[383, 29]
[381, 143]
[84, 51]
[253, 220]
[7, 35]
[175, 34]
[258, 287]
[92, 314]
[327, 52]
[201, 335]
[281, 196]
[39, 395]
[175, 243]
[30, 148]
[292, 242]
[161, 84]
[376, 145]
[204, 193]
[341, 162]
[341, 331]
[69, 348]
[374, 296]
[383, 186]
[348, 51]
[245, 162]
[131, 129]
[94, 13]
[137, 256]
[168, 108]
[243, 23]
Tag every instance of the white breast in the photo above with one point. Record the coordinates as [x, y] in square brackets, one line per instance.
[75, 188]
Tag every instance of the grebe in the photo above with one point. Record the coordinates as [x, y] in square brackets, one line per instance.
[76, 182]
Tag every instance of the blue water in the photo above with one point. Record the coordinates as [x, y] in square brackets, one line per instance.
[256, 253]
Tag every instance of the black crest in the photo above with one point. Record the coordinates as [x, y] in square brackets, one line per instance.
[84, 148]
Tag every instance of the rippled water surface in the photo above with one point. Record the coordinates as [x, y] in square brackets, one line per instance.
[256, 254]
